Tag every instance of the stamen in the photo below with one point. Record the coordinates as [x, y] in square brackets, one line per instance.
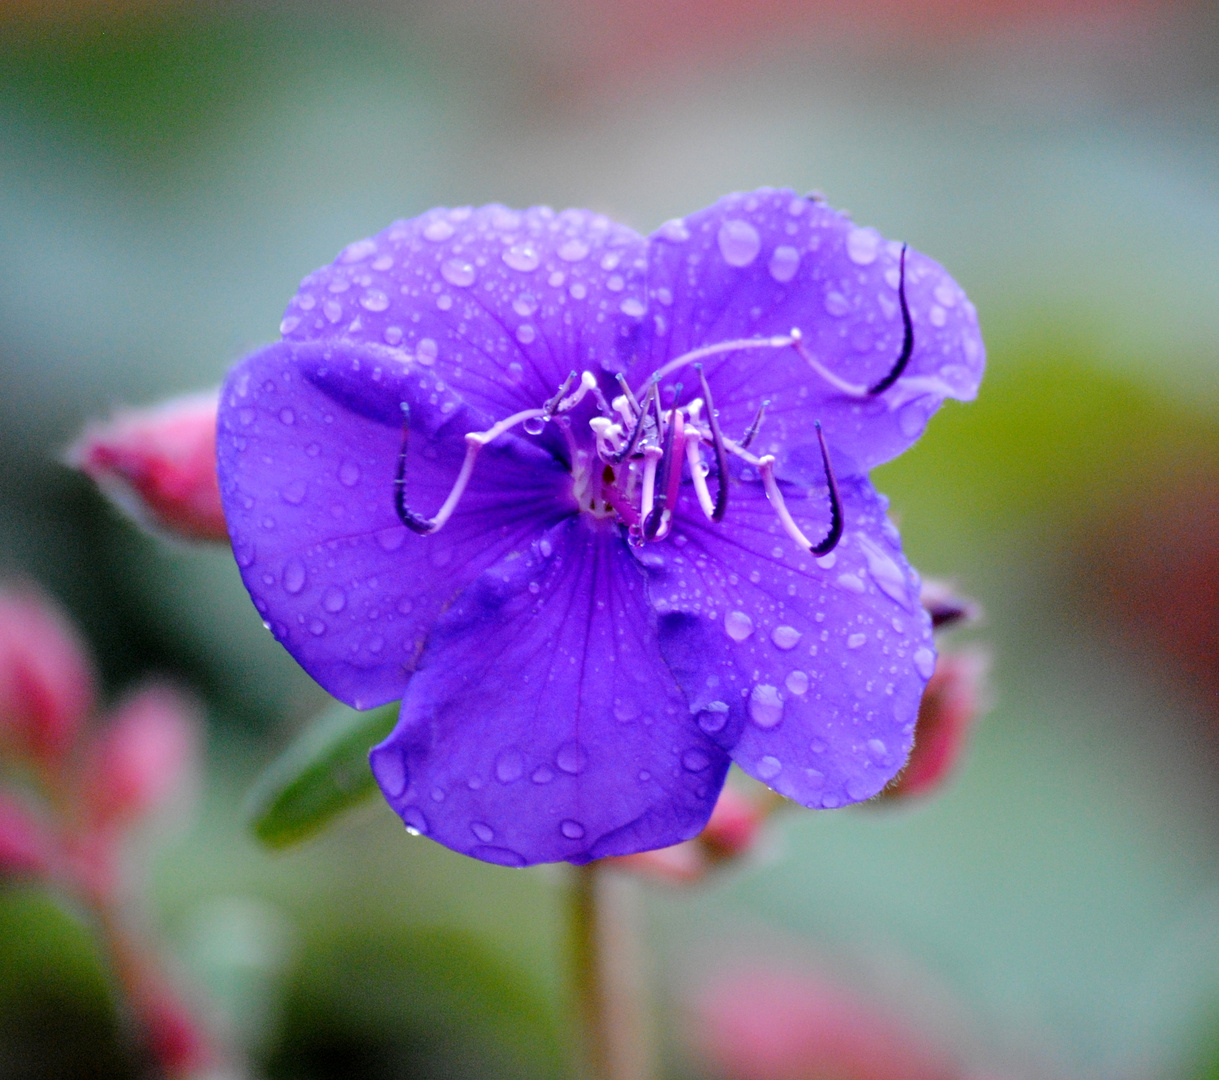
[721, 347]
[668, 488]
[694, 456]
[651, 455]
[908, 335]
[830, 541]
[637, 432]
[721, 454]
[850, 389]
[626, 390]
[549, 408]
[415, 522]
[752, 431]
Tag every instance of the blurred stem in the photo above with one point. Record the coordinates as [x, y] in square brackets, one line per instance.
[611, 1043]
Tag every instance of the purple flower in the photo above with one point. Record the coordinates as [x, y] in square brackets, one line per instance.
[595, 507]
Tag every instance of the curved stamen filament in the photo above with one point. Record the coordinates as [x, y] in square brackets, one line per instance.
[827, 543]
[656, 526]
[694, 456]
[720, 347]
[721, 455]
[637, 432]
[903, 358]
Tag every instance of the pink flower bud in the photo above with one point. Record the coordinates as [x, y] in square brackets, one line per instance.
[159, 465]
[145, 753]
[776, 1025]
[46, 684]
[176, 1042]
[25, 846]
[952, 702]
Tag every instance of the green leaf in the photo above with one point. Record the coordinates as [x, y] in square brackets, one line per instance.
[324, 772]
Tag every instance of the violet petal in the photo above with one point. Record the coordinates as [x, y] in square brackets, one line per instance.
[542, 724]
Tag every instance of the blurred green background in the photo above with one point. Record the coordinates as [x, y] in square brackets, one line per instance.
[168, 172]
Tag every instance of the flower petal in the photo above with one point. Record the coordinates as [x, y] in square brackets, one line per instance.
[808, 670]
[543, 724]
[759, 264]
[308, 443]
[503, 303]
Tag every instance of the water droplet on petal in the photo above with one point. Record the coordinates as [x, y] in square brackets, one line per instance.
[695, 760]
[316, 627]
[862, 245]
[785, 637]
[289, 324]
[855, 641]
[784, 263]
[509, 766]
[374, 300]
[294, 577]
[358, 251]
[738, 625]
[924, 662]
[526, 334]
[674, 230]
[797, 682]
[713, 717]
[390, 770]
[416, 824]
[885, 572]
[836, 304]
[769, 767]
[334, 600]
[632, 308]
[571, 757]
[542, 775]
[859, 789]
[458, 272]
[482, 831]
[739, 242]
[765, 705]
[525, 305]
[878, 749]
[349, 474]
[851, 583]
[438, 229]
[293, 493]
[523, 257]
[573, 830]
[535, 425]
[573, 250]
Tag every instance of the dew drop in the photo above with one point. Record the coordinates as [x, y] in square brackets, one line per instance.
[856, 641]
[482, 831]
[542, 775]
[509, 766]
[534, 425]
[525, 305]
[349, 474]
[859, 789]
[526, 334]
[571, 757]
[293, 493]
[924, 662]
[713, 717]
[458, 272]
[769, 767]
[765, 705]
[294, 577]
[358, 251]
[437, 230]
[390, 770]
[785, 637]
[885, 572]
[523, 257]
[836, 304]
[333, 310]
[289, 324]
[625, 710]
[797, 682]
[784, 263]
[863, 245]
[695, 760]
[674, 230]
[573, 251]
[632, 308]
[851, 583]
[334, 600]
[877, 749]
[738, 625]
[572, 829]
[374, 300]
[416, 824]
[393, 335]
[316, 627]
[287, 416]
[739, 242]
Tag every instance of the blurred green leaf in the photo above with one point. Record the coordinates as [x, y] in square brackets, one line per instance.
[324, 772]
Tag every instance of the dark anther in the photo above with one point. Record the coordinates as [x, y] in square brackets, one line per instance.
[752, 432]
[560, 394]
[415, 522]
[640, 420]
[652, 526]
[830, 541]
[721, 452]
[626, 390]
[903, 358]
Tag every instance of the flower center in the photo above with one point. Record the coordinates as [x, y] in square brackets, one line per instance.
[633, 472]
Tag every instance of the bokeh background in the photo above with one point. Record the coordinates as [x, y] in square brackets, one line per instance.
[169, 171]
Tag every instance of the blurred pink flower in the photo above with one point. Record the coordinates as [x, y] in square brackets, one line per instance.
[139, 759]
[954, 700]
[159, 465]
[780, 1025]
[46, 681]
[25, 847]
